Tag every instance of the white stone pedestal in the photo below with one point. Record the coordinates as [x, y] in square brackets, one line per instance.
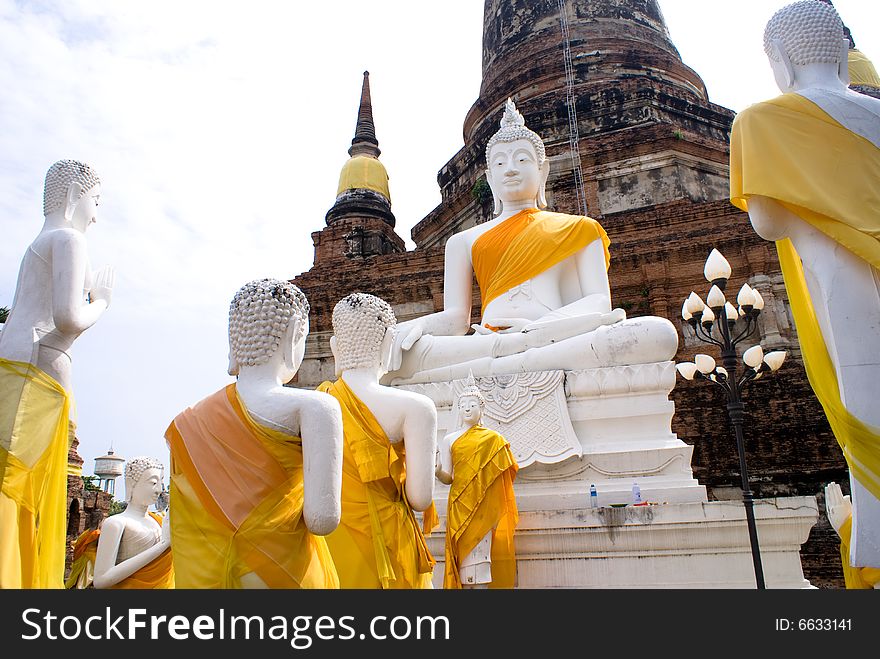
[689, 545]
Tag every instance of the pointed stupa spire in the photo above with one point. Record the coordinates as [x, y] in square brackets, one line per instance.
[365, 142]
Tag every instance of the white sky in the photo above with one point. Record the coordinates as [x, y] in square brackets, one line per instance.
[219, 133]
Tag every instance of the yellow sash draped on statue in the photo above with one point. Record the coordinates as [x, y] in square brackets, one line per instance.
[789, 150]
[861, 70]
[528, 243]
[157, 574]
[34, 441]
[237, 500]
[378, 543]
[861, 578]
[481, 500]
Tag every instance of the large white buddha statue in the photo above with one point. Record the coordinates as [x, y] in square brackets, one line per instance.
[390, 443]
[543, 282]
[256, 468]
[806, 167]
[134, 547]
[481, 512]
[57, 297]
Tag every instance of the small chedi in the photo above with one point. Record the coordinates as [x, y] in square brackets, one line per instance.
[388, 466]
[481, 511]
[57, 298]
[256, 466]
[133, 547]
[823, 212]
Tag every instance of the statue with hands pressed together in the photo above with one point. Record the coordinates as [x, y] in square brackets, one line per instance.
[481, 512]
[256, 467]
[805, 167]
[543, 282]
[134, 546]
[57, 298]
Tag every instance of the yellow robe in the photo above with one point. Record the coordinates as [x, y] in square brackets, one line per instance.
[857, 578]
[528, 243]
[34, 441]
[378, 543]
[790, 150]
[481, 499]
[237, 501]
[157, 574]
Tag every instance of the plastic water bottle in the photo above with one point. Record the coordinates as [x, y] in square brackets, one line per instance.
[637, 493]
[594, 497]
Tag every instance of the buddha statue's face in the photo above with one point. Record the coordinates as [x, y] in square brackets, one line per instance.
[148, 487]
[470, 410]
[513, 172]
[85, 211]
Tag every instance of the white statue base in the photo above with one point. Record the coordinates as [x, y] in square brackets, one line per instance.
[612, 427]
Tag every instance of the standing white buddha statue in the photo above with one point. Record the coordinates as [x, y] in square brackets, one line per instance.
[134, 546]
[256, 467]
[805, 166]
[543, 282]
[390, 443]
[481, 512]
[57, 297]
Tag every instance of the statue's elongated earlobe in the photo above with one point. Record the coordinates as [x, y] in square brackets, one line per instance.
[843, 65]
[542, 189]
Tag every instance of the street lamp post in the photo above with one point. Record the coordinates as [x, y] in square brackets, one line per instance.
[719, 323]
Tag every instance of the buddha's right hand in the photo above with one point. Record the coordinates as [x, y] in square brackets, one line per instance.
[837, 505]
[105, 278]
[406, 334]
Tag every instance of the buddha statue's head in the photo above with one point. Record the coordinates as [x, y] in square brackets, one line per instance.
[805, 33]
[363, 332]
[143, 480]
[516, 162]
[74, 188]
[265, 316]
[471, 402]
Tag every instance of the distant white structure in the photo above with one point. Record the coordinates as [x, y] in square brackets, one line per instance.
[108, 468]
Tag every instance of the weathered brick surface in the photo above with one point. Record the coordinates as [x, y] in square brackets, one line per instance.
[639, 110]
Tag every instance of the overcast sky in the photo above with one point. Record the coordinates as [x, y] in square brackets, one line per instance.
[219, 130]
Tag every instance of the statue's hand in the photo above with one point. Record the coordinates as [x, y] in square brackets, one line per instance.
[166, 530]
[837, 506]
[404, 339]
[504, 325]
[105, 278]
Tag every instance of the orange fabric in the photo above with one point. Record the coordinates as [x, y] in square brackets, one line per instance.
[481, 499]
[858, 578]
[237, 498]
[528, 243]
[157, 574]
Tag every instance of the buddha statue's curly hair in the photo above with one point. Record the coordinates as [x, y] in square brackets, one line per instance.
[809, 31]
[58, 180]
[360, 321]
[259, 316]
[513, 127]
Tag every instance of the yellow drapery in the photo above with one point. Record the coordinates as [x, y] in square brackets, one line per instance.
[481, 499]
[860, 578]
[34, 441]
[82, 568]
[237, 500]
[528, 243]
[789, 150]
[378, 543]
[364, 173]
[861, 69]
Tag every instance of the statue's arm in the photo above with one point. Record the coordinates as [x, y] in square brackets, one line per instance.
[69, 268]
[420, 440]
[321, 433]
[770, 219]
[107, 572]
[443, 469]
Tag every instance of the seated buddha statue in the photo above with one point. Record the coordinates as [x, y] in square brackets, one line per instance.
[546, 302]
[806, 167]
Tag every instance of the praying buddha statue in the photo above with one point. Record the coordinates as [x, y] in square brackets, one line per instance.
[481, 512]
[134, 546]
[57, 298]
[806, 167]
[256, 467]
[546, 302]
[388, 465]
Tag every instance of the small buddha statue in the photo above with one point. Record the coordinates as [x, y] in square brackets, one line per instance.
[546, 302]
[256, 467]
[57, 298]
[388, 463]
[804, 165]
[134, 546]
[481, 513]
